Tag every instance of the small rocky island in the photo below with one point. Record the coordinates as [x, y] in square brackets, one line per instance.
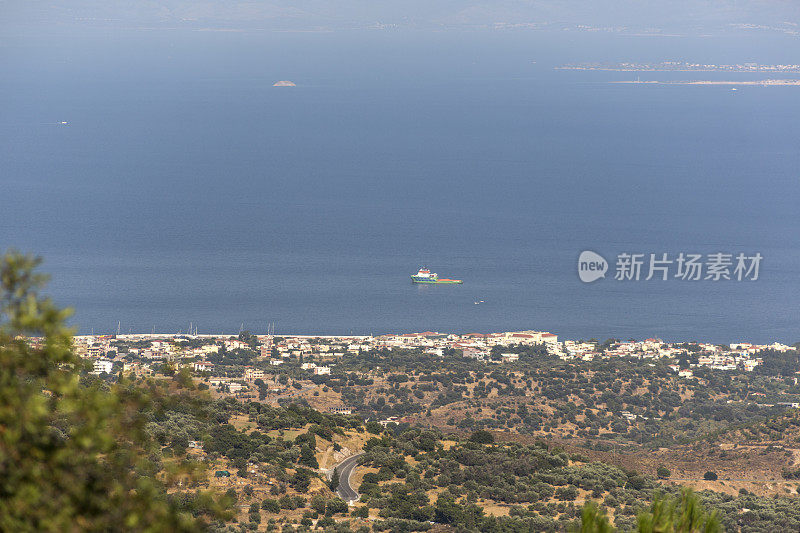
[284, 83]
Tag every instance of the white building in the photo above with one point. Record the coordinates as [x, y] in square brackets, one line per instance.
[203, 366]
[509, 357]
[102, 365]
[549, 338]
[236, 345]
[252, 374]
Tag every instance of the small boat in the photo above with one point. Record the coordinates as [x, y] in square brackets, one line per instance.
[426, 276]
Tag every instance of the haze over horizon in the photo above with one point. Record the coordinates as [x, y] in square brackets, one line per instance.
[683, 16]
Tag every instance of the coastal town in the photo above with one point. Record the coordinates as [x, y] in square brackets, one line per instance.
[140, 353]
[682, 66]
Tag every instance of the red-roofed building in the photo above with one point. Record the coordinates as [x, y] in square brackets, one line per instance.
[549, 338]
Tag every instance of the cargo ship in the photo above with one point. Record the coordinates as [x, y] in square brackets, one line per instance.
[426, 276]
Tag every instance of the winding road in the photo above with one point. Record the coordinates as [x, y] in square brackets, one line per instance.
[345, 469]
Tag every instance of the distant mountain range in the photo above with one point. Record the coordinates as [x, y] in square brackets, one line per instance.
[685, 16]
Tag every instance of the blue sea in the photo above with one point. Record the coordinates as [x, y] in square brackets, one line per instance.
[185, 188]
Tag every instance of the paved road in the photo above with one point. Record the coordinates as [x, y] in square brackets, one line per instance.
[345, 469]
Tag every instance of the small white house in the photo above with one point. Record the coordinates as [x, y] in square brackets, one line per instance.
[102, 365]
[203, 366]
[251, 374]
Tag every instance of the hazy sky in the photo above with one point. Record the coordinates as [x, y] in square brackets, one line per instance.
[665, 15]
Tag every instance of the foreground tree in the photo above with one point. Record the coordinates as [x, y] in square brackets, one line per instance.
[72, 458]
[684, 516]
[593, 520]
[666, 515]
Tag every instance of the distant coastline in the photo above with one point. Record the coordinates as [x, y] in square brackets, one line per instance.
[643, 69]
[675, 66]
[763, 83]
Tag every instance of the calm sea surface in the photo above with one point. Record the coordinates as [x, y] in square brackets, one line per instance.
[185, 188]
